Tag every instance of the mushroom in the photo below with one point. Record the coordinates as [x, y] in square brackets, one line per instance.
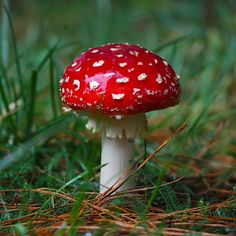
[115, 85]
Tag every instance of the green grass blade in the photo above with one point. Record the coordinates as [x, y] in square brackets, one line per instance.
[3, 95]
[52, 87]
[155, 191]
[80, 176]
[176, 41]
[32, 96]
[5, 35]
[47, 56]
[5, 80]
[24, 149]
[6, 108]
[17, 58]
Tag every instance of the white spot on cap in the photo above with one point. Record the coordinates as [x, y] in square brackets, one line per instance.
[119, 55]
[159, 79]
[93, 85]
[122, 80]
[165, 92]
[77, 84]
[74, 64]
[63, 90]
[155, 61]
[150, 92]
[150, 64]
[177, 76]
[81, 99]
[131, 107]
[165, 62]
[135, 90]
[172, 84]
[123, 64]
[135, 53]
[140, 63]
[98, 63]
[61, 80]
[142, 76]
[117, 96]
[77, 70]
[67, 79]
[114, 49]
[114, 109]
[130, 70]
[94, 51]
[109, 74]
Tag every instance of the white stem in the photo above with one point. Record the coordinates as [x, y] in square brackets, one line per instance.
[119, 133]
[117, 154]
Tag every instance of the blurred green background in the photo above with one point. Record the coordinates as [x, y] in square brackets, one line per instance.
[40, 146]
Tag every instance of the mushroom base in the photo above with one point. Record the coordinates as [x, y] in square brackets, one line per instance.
[128, 127]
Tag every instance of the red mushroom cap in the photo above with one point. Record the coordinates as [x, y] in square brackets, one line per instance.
[119, 79]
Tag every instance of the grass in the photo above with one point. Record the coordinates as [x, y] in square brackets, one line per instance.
[49, 165]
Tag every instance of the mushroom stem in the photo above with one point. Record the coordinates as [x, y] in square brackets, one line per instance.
[117, 155]
[117, 145]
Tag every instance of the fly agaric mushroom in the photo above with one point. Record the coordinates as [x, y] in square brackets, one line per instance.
[115, 85]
